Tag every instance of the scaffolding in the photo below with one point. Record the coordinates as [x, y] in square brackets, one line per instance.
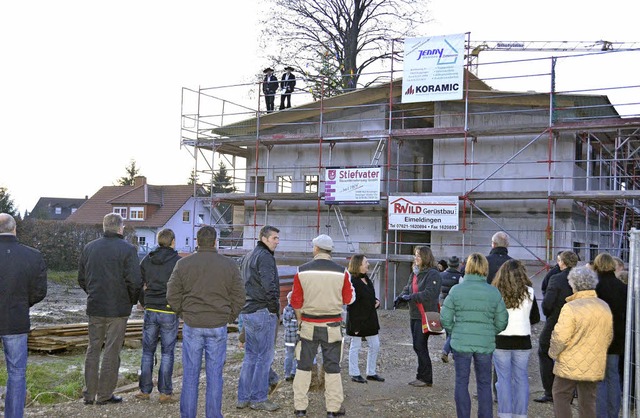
[563, 159]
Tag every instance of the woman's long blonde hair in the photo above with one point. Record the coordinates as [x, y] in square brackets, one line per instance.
[512, 281]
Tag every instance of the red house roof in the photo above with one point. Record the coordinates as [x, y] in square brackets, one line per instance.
[160, 203]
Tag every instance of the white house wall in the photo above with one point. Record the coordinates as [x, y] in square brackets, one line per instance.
[184, 231]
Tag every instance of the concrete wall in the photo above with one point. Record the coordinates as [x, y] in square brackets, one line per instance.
[298, 226]
[436, 166]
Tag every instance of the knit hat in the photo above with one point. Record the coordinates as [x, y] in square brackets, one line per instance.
[454, 261]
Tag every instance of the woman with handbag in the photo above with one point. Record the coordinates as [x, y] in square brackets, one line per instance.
[362, 320]
[422, 293]
[474, 313]
[513, 345]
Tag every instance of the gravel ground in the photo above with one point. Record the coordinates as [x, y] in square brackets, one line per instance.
[393, 398]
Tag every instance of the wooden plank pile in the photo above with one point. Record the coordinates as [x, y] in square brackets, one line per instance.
[62, 337]
[55, 338]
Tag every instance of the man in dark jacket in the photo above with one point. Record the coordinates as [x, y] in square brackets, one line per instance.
[159, 319]
[269, 88]
[23, 283]
[287, 84]
[206, 290]
[498, 255]
[552, 271]
[260, 318]
[109, 274]
[554, 299]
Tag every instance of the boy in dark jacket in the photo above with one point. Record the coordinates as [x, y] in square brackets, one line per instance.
[159, 319]
[290, 339]
[450, 277]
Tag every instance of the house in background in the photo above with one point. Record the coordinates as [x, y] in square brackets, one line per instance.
[55, 208]
[149, 208]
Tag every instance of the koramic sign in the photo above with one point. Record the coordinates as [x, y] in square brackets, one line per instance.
[433, 69]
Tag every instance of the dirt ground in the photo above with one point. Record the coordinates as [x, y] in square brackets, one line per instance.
[393, 398]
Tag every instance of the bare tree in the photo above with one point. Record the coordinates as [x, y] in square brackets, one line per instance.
[353, 34]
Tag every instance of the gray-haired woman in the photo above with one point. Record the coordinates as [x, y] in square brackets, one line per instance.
[579, 344]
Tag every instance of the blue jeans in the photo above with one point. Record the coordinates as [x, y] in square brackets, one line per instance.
[260, 329]
[290, 362]
[164, 325]
[513, 381]
[15, 355]
[482, 365]
[446, 348]
[609, 392]
[195, 341]
[372, 355]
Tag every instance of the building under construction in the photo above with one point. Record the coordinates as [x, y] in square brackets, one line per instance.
[528, 150]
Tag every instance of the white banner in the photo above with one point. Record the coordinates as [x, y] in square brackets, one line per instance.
[433, 68]
[423, 213]
[352, 186]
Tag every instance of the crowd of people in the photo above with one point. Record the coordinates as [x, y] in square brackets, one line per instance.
[486, 306]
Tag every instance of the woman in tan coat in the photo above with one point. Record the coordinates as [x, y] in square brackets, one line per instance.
[579, 344]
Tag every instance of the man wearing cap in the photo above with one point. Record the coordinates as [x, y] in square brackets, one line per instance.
[450, 277]
[320, 288]
[269, 88]
[287, 84]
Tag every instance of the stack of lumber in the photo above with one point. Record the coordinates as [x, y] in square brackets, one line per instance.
[62, 337]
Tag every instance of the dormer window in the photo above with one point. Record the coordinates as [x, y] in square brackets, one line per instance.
[121, 211]
[58, 210]
[136, 213]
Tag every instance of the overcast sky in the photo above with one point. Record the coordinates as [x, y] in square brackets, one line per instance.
[86, 86]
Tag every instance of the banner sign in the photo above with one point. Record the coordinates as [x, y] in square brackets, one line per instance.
[423, 213]
[433, 68]
[352, 186]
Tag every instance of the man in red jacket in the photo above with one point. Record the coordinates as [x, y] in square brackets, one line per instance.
[320, 288]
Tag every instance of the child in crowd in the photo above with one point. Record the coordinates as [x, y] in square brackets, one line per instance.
[290, 325]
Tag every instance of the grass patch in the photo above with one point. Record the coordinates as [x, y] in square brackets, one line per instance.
[68, 278]
[52, 381]
[60, 378]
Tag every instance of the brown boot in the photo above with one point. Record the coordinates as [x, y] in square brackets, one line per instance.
[142, 396]
[164, 398]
